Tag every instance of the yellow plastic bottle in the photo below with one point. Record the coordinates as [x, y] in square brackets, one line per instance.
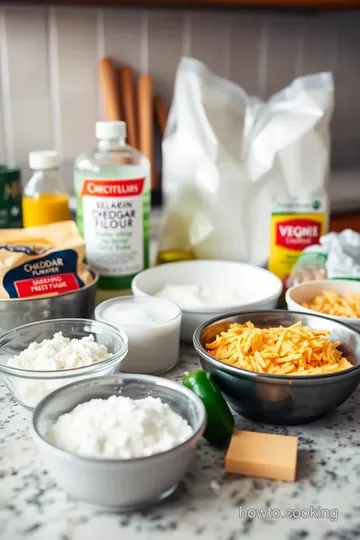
[45, 198]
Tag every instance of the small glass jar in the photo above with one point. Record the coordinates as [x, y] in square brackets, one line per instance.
[152, 326]
[45, 197]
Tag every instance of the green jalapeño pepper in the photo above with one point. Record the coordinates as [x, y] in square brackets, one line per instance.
[220, 421]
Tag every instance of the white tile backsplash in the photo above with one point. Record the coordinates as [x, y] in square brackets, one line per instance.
[283, 42]
[6, 138]
[319, 43]
[165, 47]
[28, 80]
[76, 48]
[346, 124]
[248, 51]
[122, 36]
[49, 91]
[211, 40]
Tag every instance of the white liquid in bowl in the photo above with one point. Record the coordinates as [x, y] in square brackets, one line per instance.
[153, 329]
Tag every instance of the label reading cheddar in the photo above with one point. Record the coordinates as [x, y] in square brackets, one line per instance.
[42, 261]
[294, 227]
[113, 225]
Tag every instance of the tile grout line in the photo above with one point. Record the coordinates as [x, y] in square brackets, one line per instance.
[100, 46]
[186, 34]
[262, 58]
[335, 48]
[144, 42]
[299, 54]
[228, 47]
[6, 103]
[54, 78]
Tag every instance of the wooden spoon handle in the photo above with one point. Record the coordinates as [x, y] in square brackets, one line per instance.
[146, 128]
[109, 85]
[126, 78]
[161, 113]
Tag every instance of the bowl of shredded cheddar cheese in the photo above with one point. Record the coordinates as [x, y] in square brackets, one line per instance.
[338, 299]
[278, 366]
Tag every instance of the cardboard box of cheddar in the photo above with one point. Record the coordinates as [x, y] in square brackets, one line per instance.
[42, 261]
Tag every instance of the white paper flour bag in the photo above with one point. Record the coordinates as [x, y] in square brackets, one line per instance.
[230, 161]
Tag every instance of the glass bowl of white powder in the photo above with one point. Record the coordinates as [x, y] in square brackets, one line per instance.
[40, 357]
[123, 441]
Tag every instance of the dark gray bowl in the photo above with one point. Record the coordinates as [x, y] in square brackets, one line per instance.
[282, 399]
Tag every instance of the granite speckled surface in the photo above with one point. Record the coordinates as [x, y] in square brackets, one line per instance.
[208, 505]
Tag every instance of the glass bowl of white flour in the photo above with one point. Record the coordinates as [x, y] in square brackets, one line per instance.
[40, 357]
[123, 441]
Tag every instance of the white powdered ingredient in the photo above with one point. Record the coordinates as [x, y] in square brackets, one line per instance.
[57, 354]
[119, 427]
[194, 296]
[60, 353]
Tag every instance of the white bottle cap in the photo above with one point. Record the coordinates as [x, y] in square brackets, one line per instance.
[44, 159]
[110, 130]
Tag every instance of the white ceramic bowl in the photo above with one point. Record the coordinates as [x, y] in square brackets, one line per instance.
[261, 289]
[304, 292]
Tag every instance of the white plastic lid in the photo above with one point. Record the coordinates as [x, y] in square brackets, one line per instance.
[44, 159]
[110, 130]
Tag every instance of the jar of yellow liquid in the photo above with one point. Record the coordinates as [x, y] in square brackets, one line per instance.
[45, 197]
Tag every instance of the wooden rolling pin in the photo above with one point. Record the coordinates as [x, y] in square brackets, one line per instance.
[109, 85]
[145, 119]
[161, 113]
[127, 95]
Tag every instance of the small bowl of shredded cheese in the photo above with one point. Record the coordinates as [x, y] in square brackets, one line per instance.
[123, 441]
[279, 366]
[37, 358]
[338, 299]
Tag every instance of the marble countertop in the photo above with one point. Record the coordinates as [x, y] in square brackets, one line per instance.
[209, 504]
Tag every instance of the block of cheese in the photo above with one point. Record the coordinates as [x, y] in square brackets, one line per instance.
[262, 454]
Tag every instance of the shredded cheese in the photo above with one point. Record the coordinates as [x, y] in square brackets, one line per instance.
[295, 350]
[332, 303]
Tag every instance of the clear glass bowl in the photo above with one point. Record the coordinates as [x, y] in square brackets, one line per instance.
[29, 387]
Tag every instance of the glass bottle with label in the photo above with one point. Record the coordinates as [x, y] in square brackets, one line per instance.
[45, 199]
[112, 188]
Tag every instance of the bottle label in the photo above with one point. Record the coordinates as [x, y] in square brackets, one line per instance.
[295, 225]
[113, 225]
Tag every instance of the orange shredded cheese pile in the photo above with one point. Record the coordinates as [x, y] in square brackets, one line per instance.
[332, 303]
[293, 350]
